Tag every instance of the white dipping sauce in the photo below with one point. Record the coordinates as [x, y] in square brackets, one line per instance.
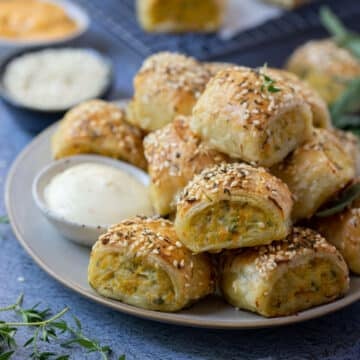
[56, 78]
[95, 194]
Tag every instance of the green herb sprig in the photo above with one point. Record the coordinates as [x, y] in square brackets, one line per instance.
[343, 37]
[268, 82]
[46, 328]
[342, 110]
[4, 220]
[346, 198]
[345, 104]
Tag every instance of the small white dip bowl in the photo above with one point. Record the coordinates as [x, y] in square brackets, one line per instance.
[79, 233]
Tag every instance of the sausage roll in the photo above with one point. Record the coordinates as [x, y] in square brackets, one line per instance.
[350, 143]
[180, 15]
[281, 279]
[231, 206]
[168, 84]
[315, 172]
[141, 262]
[288, 4]
[175, 155]
[325, 66]
[343, 231]
[215, 67]
[319, 108]
[98, 127]
[251, 117]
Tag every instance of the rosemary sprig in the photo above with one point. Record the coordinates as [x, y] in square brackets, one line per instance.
[4, 220]
[345, 104]
[348, 102]
[344, 200]
[343, 37]
[46, 328]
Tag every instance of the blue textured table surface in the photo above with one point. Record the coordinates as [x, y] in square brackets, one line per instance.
[335, 336]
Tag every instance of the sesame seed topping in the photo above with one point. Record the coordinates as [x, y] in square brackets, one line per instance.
[299, 242]
[233, 177]
[143, 236]
[96, 120]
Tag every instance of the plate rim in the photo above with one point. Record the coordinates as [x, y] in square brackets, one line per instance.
[162, 317]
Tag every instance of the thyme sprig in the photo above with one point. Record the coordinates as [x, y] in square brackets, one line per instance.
[46, 328]
[268, 82]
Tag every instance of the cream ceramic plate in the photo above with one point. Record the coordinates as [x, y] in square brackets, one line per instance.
[77, 13]
[67, 262]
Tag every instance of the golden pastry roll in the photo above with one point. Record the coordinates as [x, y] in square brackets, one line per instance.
[180, 15]
[325, 66]
[286, 277]
[231, 206]
[214, 67]
[141, 262]
[315, 172]
[167, 85]
[350, 143]
[288, 4]
[343, 231]
[318, 106]
[98, 127]
[248, 116]
[175, 154]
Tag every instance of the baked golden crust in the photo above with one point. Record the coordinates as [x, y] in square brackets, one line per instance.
[285, 277]
[98, 127]
[141, 262]
[175, 155]
[319, 108]
[343, 231]
[231, 206]
[315, 172]
[325, 66]
[215, 67]
[180, 15]
[167, 85]
[244, 116]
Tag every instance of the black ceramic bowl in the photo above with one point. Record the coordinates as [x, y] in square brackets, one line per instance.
[33, 119]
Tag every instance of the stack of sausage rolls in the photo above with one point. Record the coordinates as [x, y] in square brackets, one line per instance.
[240, 161]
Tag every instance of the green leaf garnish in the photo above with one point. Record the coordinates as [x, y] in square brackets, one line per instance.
[6, 355]
[268, 82]
[346, 198]
[273, 89]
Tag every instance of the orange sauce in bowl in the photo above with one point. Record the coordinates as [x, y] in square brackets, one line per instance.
[34, 20]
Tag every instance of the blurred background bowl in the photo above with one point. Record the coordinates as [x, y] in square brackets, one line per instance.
[75, 12]
[34, 119]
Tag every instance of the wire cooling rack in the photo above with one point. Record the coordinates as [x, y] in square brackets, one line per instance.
[118, 17]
